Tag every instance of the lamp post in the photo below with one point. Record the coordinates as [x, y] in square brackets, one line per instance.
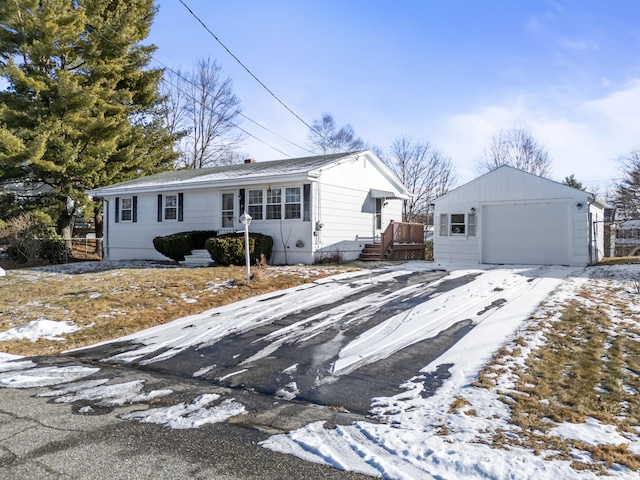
[245, 219]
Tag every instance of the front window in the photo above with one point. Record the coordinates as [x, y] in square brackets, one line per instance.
[126, 209]
[255, 204]
[171, 207]
[292, 208]
[274, 204]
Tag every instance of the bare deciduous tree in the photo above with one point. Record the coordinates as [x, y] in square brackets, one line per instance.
[425, 171]
[202, 106]
[326, 138]
[518, 148]
[626, 196]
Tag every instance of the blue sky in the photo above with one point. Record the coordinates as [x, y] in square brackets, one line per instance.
[450, 72]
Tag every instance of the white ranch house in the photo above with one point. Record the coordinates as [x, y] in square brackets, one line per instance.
[509, 216]
[312, 207]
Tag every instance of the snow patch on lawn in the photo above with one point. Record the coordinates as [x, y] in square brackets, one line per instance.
[41, 328]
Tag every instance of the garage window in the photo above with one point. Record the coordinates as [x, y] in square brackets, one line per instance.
[458, 224]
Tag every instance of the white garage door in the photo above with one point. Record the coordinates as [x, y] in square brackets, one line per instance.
[527, 234]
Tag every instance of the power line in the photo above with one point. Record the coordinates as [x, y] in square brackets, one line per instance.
[243, 66]
[179, 75]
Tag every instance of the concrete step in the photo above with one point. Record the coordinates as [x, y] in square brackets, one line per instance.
[198, 258]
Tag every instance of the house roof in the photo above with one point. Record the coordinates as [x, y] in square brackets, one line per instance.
[245, 173]
[509, 172]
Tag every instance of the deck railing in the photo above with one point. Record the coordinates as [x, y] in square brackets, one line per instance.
[405, 233]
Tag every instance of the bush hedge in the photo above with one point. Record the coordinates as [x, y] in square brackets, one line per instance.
[33, 240]
[228, 249]
[178, 245]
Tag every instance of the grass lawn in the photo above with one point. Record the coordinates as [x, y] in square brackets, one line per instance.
[575, 363]
[116, 302]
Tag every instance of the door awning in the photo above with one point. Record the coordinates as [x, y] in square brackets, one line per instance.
[375, 193]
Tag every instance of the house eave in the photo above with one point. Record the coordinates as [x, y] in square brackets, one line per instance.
[198, 185]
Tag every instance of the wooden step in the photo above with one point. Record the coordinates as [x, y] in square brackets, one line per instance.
[371, 252]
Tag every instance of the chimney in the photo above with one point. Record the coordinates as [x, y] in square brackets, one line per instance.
[249, 160]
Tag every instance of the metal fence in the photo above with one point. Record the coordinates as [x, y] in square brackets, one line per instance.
[84, 249]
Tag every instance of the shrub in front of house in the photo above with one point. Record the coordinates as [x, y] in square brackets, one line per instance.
[228, 249]
[178, 245]
[32, 239]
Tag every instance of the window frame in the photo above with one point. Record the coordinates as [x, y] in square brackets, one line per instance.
[256, 210]
[166, 207]
[289, 214]
[458, 225]
[291, 203]
[123, 200]
[273, 200]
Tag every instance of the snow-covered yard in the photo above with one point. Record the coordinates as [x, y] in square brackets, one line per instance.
[450, 434]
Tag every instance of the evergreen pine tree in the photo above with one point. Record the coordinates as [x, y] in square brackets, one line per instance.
[82, 105]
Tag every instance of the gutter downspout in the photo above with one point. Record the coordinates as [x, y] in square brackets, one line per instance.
[105, 229]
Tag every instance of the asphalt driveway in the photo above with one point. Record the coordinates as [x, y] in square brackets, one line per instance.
[194, 398]
[286, 345]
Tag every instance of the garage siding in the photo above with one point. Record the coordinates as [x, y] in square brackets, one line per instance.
[522, 219]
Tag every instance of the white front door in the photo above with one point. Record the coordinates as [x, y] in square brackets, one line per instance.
[228, 210]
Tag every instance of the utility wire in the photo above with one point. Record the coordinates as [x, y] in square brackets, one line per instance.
[243, 66]
[179, 75]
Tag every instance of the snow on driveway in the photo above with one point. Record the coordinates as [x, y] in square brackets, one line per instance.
[497, 302]
[425, 439]
[477, 301]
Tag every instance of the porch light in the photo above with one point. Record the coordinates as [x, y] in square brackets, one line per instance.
[579, 206]
[245, 219]
[473, 209]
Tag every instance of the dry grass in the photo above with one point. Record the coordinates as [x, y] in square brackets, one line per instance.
[113, 303]
[588, 367]
[458, 403]
[619, 260]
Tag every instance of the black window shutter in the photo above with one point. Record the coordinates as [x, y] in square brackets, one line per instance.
[306, 202]
[180, 207]
[241, 201]
[134, 214]
[117, 209]
[160, 207]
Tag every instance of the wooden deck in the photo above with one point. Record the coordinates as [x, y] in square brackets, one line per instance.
[400, 241]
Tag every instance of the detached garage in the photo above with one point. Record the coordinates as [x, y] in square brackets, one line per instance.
[509, 216]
